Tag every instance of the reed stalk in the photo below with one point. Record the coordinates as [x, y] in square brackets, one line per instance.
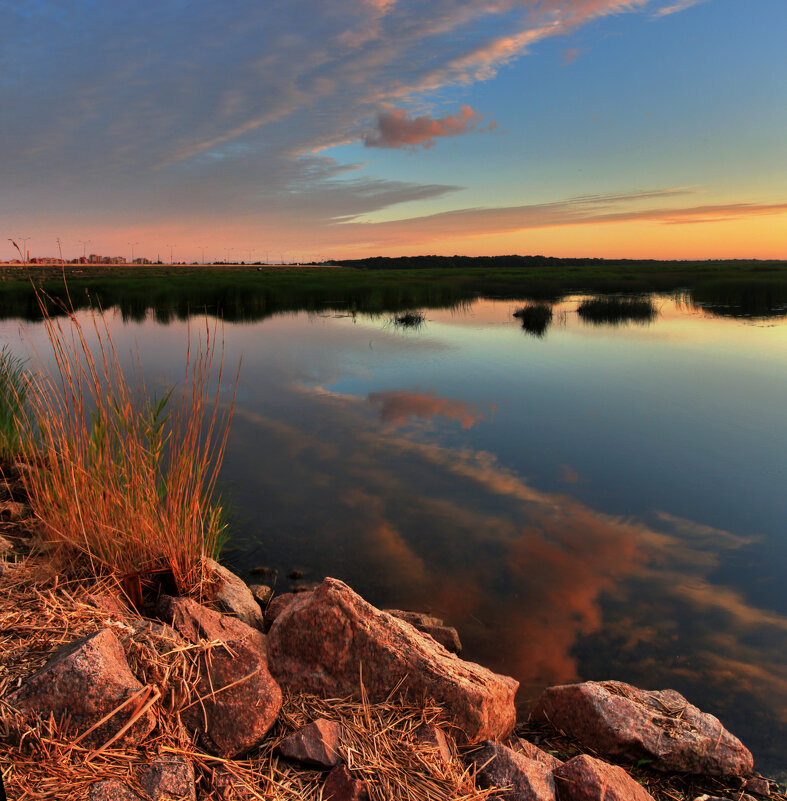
[125, 478]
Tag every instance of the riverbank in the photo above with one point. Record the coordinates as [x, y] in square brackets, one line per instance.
[250, 292]
[187, 701]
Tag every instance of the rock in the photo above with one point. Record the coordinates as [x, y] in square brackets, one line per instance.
[532, 751]
[584, 778]
[758, 786]
[262, 593]
[525, 779]
[196, 622]
[111, 790]
[234, 596]
[316, 744]
[85, 681]
[108, 604]
[231, 788]
[168, 779]
[447, 636]
[276, 607]
[264, 571]
[342, 786]
[434, 739]
[324, 640]
[14, 511]
[621, 721]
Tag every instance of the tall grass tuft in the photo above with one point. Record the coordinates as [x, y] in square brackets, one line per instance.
[13, 404]
[126, 479]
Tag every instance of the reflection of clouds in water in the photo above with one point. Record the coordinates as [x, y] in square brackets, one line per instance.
[540, 585]
[399, 408]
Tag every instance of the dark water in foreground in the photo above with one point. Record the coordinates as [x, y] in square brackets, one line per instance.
[603, 501]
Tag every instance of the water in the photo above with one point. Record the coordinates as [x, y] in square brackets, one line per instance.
[603, 501]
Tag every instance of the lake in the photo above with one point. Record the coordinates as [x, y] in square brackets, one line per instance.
[581, 500]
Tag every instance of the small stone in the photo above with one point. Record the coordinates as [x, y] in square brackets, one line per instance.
[758, 786]
[262, 594]
[447, 636]
[111, 790]
[434, 739]
[276, 607]
[341, 785]
[234, 596]
[584, 778]
[526, 779]
[108, 604]
[316, 744]
[14, 511]
[264, 571]
[532, 751]
[168, 779]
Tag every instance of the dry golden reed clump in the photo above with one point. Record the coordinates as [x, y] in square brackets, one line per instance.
[124, 478]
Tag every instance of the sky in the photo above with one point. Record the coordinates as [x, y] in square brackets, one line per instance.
[315, 129]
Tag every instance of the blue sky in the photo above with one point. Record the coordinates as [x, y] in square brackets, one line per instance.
[340, 128]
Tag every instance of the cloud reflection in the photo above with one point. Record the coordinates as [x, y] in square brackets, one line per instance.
[541, 586]
[399, 408]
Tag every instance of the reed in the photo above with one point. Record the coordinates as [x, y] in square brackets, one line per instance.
[613, 310]
[535, 318]
[14, 419]
[126, 478]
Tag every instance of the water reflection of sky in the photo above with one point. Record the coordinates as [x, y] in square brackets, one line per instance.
[600, 503]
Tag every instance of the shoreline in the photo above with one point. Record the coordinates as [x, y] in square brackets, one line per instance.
[44, 611]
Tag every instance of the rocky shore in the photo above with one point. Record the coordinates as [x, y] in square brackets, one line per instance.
[310, 695]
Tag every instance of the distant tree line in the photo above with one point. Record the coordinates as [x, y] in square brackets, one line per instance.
[421, 262]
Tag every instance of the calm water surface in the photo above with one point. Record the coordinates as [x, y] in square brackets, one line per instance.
[600, 502]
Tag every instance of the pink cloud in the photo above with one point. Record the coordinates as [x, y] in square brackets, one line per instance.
[397, 129]
[398, 408]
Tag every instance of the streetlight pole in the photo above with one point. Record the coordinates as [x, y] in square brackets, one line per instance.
[132, 250]
[228, 254]
[84, 244]
[24, 248]
[203, 254]
[170, 253]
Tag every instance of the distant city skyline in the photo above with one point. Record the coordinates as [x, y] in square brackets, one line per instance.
[309, 130]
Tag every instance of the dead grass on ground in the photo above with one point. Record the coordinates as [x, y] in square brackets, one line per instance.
[42, 760]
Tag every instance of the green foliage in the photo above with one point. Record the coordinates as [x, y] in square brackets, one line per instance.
[14, 419]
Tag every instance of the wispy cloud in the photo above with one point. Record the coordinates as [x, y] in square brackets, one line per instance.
[681, 5]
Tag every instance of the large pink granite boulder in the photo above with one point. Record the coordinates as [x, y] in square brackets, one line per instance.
[584, 778]
[520, 778]
[327, 641]
[84, 682]
[621, 721]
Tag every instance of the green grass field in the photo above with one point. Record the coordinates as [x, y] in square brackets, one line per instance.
[253, 292]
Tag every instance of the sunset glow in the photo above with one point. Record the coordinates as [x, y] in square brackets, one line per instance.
[312, 130]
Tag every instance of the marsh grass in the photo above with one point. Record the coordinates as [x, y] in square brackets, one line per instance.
[14, 419]
[126, 477]
[615, 310]
[410, 319]
[535, 318]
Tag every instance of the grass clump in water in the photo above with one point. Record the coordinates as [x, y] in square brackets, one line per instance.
[125, 479]
[535, 318]
[617, 310]
[410, 319]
